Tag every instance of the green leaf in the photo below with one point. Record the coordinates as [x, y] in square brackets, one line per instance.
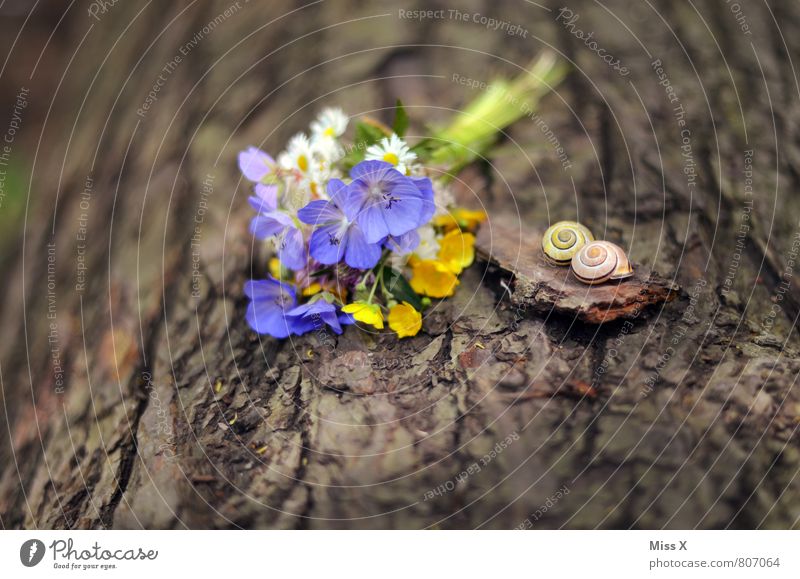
[327, 296]
[366, 135]
[399, 287]
[400, 119]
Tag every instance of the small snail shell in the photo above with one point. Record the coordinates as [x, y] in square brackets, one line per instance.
[600, 261]
[563, 239]
[624, 267]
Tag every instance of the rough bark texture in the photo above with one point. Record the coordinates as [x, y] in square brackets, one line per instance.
[173, 414]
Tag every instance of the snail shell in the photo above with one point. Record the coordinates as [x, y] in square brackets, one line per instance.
[600, 261]
[624, 267]
[562, 240]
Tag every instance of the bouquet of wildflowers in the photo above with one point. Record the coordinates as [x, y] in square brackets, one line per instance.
[361, 230]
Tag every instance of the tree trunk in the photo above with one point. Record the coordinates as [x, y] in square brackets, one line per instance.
[135, 395]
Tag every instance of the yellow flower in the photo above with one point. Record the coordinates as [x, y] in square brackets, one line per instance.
[433, 278]
[405, 320]
[275, 267]
[312, 289]
[366, 313]
[460, 218]
[457, 250]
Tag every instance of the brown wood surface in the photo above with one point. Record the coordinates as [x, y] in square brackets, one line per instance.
[174, 414]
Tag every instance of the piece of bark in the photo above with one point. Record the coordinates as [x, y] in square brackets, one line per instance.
[542, 287]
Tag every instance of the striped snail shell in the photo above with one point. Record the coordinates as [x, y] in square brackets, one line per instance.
[600, 261]
[563, 239]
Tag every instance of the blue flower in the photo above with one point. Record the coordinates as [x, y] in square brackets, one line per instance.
[428, 206]
[314, 315]
[390, 202]
[271, 301]
[338, 234]
[255, 164]
[403, 244]
[272, 222]
[266, 198]
[291, 248]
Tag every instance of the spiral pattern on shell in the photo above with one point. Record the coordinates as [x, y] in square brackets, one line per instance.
[562, 240]
[600, 261]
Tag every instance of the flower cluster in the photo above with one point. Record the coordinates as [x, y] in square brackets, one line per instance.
[360, 232]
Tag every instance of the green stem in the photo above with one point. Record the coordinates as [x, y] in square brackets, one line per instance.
[383, 285]
[379, 277]
[472, 132]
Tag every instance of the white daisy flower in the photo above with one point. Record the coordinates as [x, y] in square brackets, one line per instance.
[298, 155]
[308, 166]
[330, 123]
[316, 180]
[393, 150]
[326, 150]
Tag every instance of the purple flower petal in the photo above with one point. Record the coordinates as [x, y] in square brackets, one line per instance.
[328, 243]
[291, 248]
[372, 223]
[429, 207]
[332, 320]
[403, 188]
[266, 198]
[266, 288]
[403, 215]
[357, 195]
[319, 212]
[313, 317]
[392, 204]
[403, 244]
[271, 299]
[266, 225]
[372, 170]
[352, 200]
[255, 164]
[336, 190]
[265, 318]
[358, 252]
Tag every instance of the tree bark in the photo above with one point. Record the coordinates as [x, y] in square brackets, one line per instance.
[135, 395]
